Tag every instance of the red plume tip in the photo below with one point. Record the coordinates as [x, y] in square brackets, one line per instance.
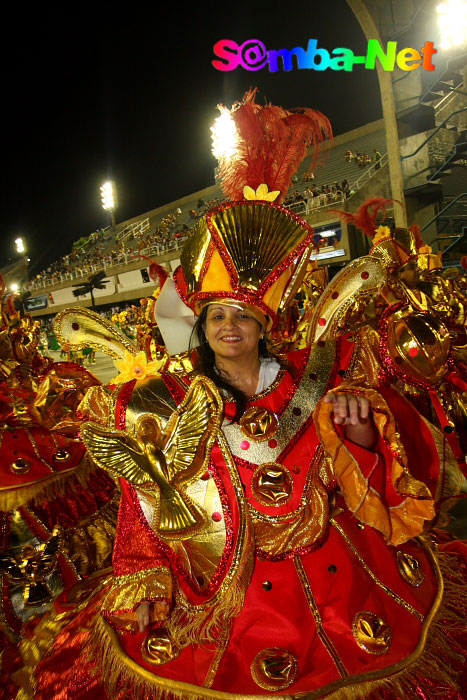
[157, 273]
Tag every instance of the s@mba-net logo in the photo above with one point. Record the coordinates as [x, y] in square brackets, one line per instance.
[252, 55]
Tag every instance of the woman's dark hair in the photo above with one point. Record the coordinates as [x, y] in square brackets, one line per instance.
[206, 363]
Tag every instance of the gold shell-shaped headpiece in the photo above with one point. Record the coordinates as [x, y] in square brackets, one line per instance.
[255, 252]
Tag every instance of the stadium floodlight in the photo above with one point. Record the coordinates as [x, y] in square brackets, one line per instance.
[109, 199]
[107, 196]
[20, 245]
[14, 287]
[224, 136]
[452, 18]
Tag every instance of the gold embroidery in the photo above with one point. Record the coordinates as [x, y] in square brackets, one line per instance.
[373, 576]
[318, 620]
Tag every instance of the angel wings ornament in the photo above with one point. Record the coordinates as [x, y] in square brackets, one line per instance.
[163, 462]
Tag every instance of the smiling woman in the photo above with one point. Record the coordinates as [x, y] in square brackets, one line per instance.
[267, 538]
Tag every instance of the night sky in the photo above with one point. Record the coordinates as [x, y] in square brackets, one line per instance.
[98, 94]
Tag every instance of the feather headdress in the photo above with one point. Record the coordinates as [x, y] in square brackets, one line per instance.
[271, 142]
[365, 217]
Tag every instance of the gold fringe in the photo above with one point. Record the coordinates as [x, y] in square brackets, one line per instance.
[201, 624]
[34, 649]
[51, 487]
[119, 672]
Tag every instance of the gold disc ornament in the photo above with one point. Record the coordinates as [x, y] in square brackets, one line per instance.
[371, 633]
[259, 424]
[272, 484]
[158, 647]
[274, 669]
[409, 569]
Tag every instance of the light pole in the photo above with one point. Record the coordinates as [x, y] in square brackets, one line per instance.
[396, 178]
[109, 199]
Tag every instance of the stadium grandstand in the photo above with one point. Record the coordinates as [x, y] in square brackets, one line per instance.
[432, 132]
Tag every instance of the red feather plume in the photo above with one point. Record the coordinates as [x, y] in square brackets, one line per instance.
[464, 262]
[157, 273]
[366, 215]
[271, 144]
[419, 242]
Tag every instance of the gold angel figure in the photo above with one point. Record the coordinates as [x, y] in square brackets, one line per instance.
[32, 567]
[164, 462]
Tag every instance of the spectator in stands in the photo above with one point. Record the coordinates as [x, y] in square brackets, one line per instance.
[376, 158]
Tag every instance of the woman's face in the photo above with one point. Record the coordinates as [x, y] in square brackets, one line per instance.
[231, 332]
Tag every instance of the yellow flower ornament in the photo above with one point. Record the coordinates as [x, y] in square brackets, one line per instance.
[382, 232]
[260, 193]
[136, 367]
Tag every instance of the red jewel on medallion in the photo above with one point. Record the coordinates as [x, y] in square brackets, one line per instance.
[365, 275]
[244, 445]
[322, 321]
[217, 517]
[205, 476]
[272, 443]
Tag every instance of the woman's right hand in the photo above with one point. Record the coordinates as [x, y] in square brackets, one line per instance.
[155, 612]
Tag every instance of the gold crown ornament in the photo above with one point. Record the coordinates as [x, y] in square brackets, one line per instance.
[253, 251]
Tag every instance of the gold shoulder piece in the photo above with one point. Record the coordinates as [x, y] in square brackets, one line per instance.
[80, 327]
[360, 278]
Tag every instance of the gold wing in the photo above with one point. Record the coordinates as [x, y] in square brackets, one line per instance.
[192, 430]
[116, 452]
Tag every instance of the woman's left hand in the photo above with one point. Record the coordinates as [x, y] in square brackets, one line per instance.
[355, 413]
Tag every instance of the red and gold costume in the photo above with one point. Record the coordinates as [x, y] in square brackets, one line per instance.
[296, 563]
[57, 510]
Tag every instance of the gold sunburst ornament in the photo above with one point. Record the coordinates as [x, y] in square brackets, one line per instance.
[136, 367]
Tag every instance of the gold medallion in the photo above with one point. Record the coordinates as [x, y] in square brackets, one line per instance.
[409, 569]
[274, 669]
[272, 484]
[20, 466]
[62, 456]
[158, 647]
[259, 424]
[371, 633]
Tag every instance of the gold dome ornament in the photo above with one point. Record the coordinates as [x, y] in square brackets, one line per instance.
[274, 669]
[259, 424]
[158, 647]
[272, 484]
[409, 569]
[418, 344]
[371, 633]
